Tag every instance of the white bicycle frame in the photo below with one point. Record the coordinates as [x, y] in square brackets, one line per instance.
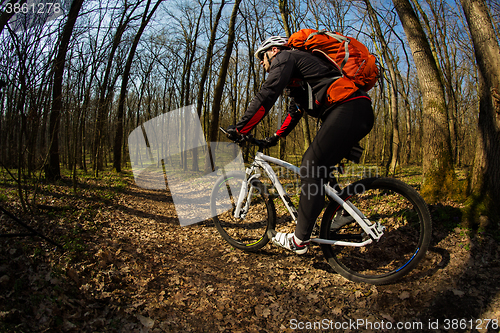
[374, 230]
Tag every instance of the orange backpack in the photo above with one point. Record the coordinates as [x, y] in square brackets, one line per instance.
[357, 65]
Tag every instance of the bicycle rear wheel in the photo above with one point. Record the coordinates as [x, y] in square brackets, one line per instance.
[249, 231]
[403, 213]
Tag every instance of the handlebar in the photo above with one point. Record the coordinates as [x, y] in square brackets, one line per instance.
[260, 143]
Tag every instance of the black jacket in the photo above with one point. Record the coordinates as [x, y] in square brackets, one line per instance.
[291, 69]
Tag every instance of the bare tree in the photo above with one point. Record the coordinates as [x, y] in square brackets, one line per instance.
[395, 141]
[204, 73]
[125, 78]
[485, 181]
[53, 170]
[291, 27]
[283, 5]
[439, 176]
[438, 42]
[214, 122]
[108, 84]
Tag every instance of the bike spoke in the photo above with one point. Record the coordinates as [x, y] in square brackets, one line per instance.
[249, 230]
[406, 237]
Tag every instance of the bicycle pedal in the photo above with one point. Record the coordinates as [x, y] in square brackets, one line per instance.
[271, 233]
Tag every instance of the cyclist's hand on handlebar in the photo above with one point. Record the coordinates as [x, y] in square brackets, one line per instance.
[233, 135]
[272, 140]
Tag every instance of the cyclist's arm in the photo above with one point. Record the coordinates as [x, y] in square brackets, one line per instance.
[291, 120]
[279, 76]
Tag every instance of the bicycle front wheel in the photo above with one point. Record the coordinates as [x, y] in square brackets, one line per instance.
[248, 231]
[403, 213]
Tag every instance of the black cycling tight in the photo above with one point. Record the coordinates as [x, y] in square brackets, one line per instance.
[343, 127]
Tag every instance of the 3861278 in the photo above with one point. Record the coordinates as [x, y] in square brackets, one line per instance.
[477, 324]
[34, 8]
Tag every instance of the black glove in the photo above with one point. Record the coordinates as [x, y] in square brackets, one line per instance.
[232, 134]
[272, 140]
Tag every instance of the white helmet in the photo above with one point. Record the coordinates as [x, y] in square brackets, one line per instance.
[270, 42]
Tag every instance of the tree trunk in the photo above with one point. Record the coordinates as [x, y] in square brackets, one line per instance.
[285, 16]
[53, 170]
[117, 152]
[388, 59]
[186, 85]
[107, 88]
[485, 180]
[283, 5]
[439, 177]
[219, 88]
[204, 74]
[446, 79]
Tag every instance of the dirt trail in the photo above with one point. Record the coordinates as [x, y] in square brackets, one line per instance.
[139, 271]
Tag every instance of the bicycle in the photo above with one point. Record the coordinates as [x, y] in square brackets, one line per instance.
[375, 230]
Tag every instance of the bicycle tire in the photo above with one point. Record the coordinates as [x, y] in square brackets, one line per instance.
[404, 214]
[248, 233]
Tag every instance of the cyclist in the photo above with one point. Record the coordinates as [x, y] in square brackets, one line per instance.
[306, 78]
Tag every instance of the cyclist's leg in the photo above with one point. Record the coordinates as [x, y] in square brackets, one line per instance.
[343, 127]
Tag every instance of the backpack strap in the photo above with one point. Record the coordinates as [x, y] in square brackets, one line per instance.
[325, 56]
[339, 38]
[344, 40]
[310, 96]
[322, 92]
[327, 81]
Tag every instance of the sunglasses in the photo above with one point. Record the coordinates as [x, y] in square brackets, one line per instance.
[261, 55]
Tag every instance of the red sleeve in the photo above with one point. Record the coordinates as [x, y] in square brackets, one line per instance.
[291, 120]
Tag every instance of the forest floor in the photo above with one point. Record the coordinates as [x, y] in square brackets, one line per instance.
[128, 266]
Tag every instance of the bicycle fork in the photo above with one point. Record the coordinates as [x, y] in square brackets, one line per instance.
[245, 191]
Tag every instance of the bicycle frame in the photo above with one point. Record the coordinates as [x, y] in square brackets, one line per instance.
[374, 230]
